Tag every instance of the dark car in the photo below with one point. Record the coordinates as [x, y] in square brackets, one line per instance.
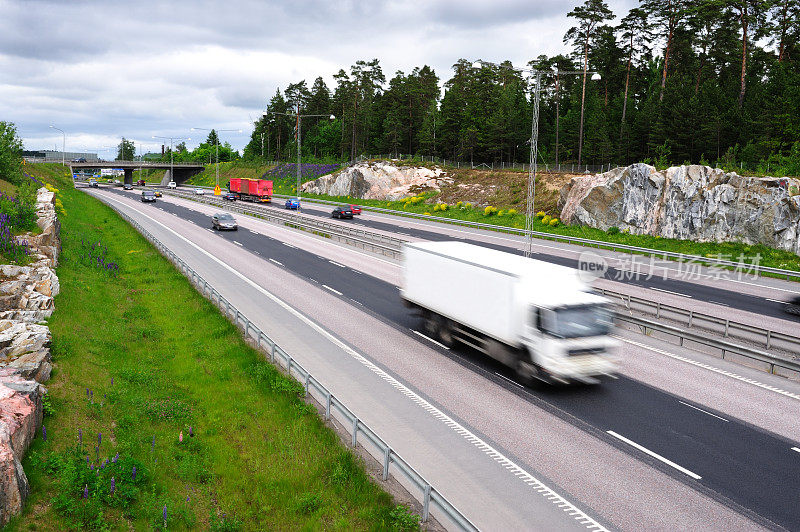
[342, 212]
[223, 220]
[793, 306]
[148, 195]
[230, 196]
[292, 203]
[355, 208]
[140, 183]
[79, 160]
[127, 186]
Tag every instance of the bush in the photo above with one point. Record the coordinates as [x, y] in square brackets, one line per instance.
[546, 219]
[501, 213]
[512, 212]
[613, 230]
[402, 519]
[443, 207]
[489, 210]
[459, 204]
[554, 222]
[540, 215]
[468, 205]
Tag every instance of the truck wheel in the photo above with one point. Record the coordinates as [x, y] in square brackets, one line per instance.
[527, 372]
[429, 324]
[445, 331]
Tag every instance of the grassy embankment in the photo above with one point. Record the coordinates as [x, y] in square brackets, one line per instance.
[141, 358]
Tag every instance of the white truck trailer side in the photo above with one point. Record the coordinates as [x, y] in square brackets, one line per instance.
[539, 318]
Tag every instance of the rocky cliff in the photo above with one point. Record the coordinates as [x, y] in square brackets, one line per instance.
[26, 298]
[688, 202]
[378, 180]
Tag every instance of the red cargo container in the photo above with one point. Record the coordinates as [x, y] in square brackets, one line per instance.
[252, 189]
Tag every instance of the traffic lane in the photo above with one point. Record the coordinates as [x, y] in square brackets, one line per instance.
[490, 495]
[737, 398]
[736, 298]
[621, 487]
[387, 306]
[762, 286]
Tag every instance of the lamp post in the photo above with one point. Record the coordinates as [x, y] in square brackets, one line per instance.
[216, 145]
[171, 161]
[64, 145]
[533, 165]
[298, 117]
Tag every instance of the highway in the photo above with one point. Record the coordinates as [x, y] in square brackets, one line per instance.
[641, 451]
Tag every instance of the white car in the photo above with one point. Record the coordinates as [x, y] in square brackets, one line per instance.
[172, 184]
[199, 191]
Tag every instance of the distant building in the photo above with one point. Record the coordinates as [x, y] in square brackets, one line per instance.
[51, 156]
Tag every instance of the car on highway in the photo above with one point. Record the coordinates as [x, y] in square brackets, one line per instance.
[157, 193]
[172, 184]
[355, 208]
[127, 186]
[79, 160]
[342, 212]
[140, 183]
[230, 196]
[793, 306]
[292, 203]
[224, 220]
[93, 183]
[199, 191]
[148, 195]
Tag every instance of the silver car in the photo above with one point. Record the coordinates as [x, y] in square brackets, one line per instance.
[224, 221]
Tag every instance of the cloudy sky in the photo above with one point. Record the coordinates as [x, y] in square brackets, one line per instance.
[101, 70]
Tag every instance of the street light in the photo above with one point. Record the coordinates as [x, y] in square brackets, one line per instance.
[216, 183]
[64, 145]
[298, 116]
[533, 165]
[171, 162]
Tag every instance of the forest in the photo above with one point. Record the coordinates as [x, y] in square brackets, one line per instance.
[680, 81]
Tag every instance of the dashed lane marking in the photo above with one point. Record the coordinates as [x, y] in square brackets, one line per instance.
[237, 243]
[670, 292]
[796, 449]
[335, 291]
[704, 411]
[508, 380]
[276, 262]
[428, 338]
[537, 485]
[655, 455]
[337, 264]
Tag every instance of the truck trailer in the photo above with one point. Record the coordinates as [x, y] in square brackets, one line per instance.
[538, 318]
[258, 190]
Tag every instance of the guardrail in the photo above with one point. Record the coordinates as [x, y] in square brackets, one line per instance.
[754, 270]
[429, 494]
[376, 242]
[726, 347]
[771, 339]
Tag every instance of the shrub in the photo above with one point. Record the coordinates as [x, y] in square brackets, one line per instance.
[501, 213]
[443, 207]
[512, 212]
[436, 208]
[613, 230]
[793, 191]
[540, 215]
[554, 222]
[468, 205]
[402, 519]
[546, 219]
[426, 213]
[459, 204]
[489, 210]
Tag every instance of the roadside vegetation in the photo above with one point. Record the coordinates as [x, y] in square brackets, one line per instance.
[159, 415]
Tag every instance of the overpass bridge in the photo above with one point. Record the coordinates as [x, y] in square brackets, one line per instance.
[182, 171]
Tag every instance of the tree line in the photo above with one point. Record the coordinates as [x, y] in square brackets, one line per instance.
[680, 81]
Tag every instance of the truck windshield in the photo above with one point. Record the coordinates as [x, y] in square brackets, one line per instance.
[576, 322]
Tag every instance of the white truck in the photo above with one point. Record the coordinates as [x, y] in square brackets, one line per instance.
[538, 318]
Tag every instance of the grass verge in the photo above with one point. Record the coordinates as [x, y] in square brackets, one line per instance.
[148, 374]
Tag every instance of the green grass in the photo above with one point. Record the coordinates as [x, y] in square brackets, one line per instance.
[158, 358]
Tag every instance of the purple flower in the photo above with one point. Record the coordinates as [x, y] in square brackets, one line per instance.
[116, 457]
[153, 445]
[87, 393]
[44, 433]
[191, 434]
[87, 461]
[113, 485]
[86, 491]
[112, 381]
[80, 436]
[187, 498]
[134, 474]
[91, 466]
[165, 515]
[99, 438]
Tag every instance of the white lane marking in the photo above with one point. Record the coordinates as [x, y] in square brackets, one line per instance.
[509, 380]
[237, 243]
[655, 455]
[336, 263]
[276, 262]
[538, 486]
[775, 300]
[335, 291]
[428, 338]
[704, 411]
[670, 292]
[288, 244]
[711, 368]
[210, 230]
[796, 449]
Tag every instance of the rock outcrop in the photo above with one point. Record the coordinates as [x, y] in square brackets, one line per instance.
[687, 202]
[26, 298]
[378, 180]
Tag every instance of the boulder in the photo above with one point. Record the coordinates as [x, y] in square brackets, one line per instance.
[20, 417]
[687, 202]
[378, 180]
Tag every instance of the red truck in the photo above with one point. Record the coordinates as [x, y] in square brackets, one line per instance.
[259, 190]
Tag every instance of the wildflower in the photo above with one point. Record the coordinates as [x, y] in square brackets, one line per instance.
[44, 433]
[187, 498]
[87, 461]
[180, 437]
[191, 434]
[87, 393]
[165, 515]
[91, 466]
[134, 474]
[86, 491]
[116, 457]
[80, 436]
[112, 381]
[113, 485]
[99, 438]
[153, 445]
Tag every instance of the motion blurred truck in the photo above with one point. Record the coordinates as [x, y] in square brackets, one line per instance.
[538, 318]
[258, 190]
